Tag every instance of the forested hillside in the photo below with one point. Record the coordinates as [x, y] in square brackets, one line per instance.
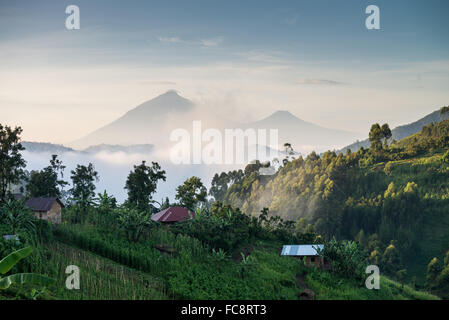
[386, 206]
[404, 131]
[389, 197]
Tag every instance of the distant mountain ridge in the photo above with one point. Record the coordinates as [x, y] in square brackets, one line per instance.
[149, 126]
[153, 121]
[304, 136]
[46, 147]
[138, 124]
[403, 131]
[137, 148]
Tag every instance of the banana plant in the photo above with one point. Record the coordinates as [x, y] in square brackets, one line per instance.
[10, 261]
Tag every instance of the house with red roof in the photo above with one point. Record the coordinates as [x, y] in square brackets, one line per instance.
[172, 215]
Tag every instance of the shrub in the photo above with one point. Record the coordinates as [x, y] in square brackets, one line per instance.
[347, 258]
[433, 269]
[225, 229]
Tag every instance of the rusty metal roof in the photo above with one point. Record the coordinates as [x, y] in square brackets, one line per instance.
[172, 214]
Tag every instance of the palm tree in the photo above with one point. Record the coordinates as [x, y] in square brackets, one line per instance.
[134, 222]
[17, 215]
[10, 261]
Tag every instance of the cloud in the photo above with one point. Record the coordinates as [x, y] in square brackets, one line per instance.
[264, 56]
[156, 83]
[292, 20]
[120, 158]
[212, 42]
[170, 39]
[320, 82]
[238, 90]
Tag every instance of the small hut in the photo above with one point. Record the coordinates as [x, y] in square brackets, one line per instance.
[46, 208]
[307, 251]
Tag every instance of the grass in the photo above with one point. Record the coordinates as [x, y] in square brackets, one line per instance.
[267, 276]
[194, 273]
[112, 268]
[100, 278]
[330, 287]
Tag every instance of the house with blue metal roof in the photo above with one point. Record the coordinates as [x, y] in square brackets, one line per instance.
[309, 252]
[12, 237]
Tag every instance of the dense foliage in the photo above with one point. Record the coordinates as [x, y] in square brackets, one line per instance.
[191, 193]
[46, 182]
[141, 185]
[347, 258]
[384, 193]
[381, 206]
[12, 163]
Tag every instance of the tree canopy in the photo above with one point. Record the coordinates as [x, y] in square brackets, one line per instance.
[83, 178]
[142, 183]
[46, 182]
[191, 193]
[12, 163]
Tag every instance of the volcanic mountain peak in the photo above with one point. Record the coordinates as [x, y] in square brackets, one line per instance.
[164, 103]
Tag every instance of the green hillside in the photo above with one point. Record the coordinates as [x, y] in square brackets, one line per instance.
[404, 131]
[393, 195]
[101, 278]
[386, 206]
[268, 276]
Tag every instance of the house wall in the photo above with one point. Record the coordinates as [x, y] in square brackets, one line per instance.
[312, 260]
[53, 215]
[41, 215]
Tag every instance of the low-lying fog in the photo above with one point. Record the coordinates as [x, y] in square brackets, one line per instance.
[113, 169]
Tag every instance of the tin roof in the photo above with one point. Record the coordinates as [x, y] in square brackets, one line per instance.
[301, 250]
[42, 204]
[172, 214]
[11, 237]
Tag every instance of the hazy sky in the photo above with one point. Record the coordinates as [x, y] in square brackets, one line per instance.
[243, 59]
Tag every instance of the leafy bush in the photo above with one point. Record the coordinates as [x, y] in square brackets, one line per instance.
[347, 258]
[134, 222]
[17, 216]
[224, 229]
[7, 263]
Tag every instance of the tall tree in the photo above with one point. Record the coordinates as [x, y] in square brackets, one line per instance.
[377, 133]
[391, 260]
[433, 270]
[375, 137]
[235, 176]
[191, 193]
[444, 110]
[219, 186]
[289, 153]
[46, 183]
[386, 133]
[11, 161]
[142, 183]
[83, 178]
